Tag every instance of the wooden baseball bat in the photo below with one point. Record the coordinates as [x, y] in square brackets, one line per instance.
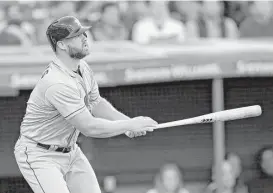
[226, 115]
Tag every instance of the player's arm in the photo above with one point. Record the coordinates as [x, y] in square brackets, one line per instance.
[102, 128]
[101, 108]
[106, 110]
[70, 105]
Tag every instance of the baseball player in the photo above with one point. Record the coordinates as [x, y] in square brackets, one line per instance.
[65, 102]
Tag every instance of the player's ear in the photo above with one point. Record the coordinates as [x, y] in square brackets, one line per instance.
[61, 45]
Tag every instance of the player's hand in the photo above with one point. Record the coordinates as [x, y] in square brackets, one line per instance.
[143, 124]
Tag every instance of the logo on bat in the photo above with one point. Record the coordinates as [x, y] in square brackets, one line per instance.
[206, 120]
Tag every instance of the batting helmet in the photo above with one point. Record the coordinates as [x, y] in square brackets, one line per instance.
[64, 28]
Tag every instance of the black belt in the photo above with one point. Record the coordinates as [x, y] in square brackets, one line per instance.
[55, 148]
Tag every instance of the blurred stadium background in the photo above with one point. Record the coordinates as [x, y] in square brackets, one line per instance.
[167, 60]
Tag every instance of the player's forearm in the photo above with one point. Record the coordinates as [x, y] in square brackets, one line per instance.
[106, 111]
[97, 127]
[101, 128]
[116, 115]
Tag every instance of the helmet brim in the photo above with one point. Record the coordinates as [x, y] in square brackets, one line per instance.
[79, 32]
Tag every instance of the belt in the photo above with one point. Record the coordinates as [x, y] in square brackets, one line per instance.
[55, 148]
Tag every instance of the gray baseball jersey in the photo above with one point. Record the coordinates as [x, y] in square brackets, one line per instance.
[58, 96]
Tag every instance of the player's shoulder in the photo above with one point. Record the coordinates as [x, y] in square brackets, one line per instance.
[54, 76]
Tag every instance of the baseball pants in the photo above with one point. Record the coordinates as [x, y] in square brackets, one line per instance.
[48, 171]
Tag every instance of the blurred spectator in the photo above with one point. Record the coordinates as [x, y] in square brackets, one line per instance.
[236, 166]
[41, 20]
[212, 23]
[110, 26]
[260, 21]
[264, 181]
[109, 184]
[16, 18]
[8, 37]
[235, 162]
[136, 11]
[177, 10]
[169, 180]
[62, 8]
[159, 27]
[3, 21]
[237, 10]
[89, 11]
[188, 12]
[229, 181]
[17, 31]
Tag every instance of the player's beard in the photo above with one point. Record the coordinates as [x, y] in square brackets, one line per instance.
[77, 53]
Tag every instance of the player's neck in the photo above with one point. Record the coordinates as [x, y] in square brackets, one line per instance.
[70, 63]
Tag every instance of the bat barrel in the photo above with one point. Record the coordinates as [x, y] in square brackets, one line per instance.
[255, 110]
[240, 113]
